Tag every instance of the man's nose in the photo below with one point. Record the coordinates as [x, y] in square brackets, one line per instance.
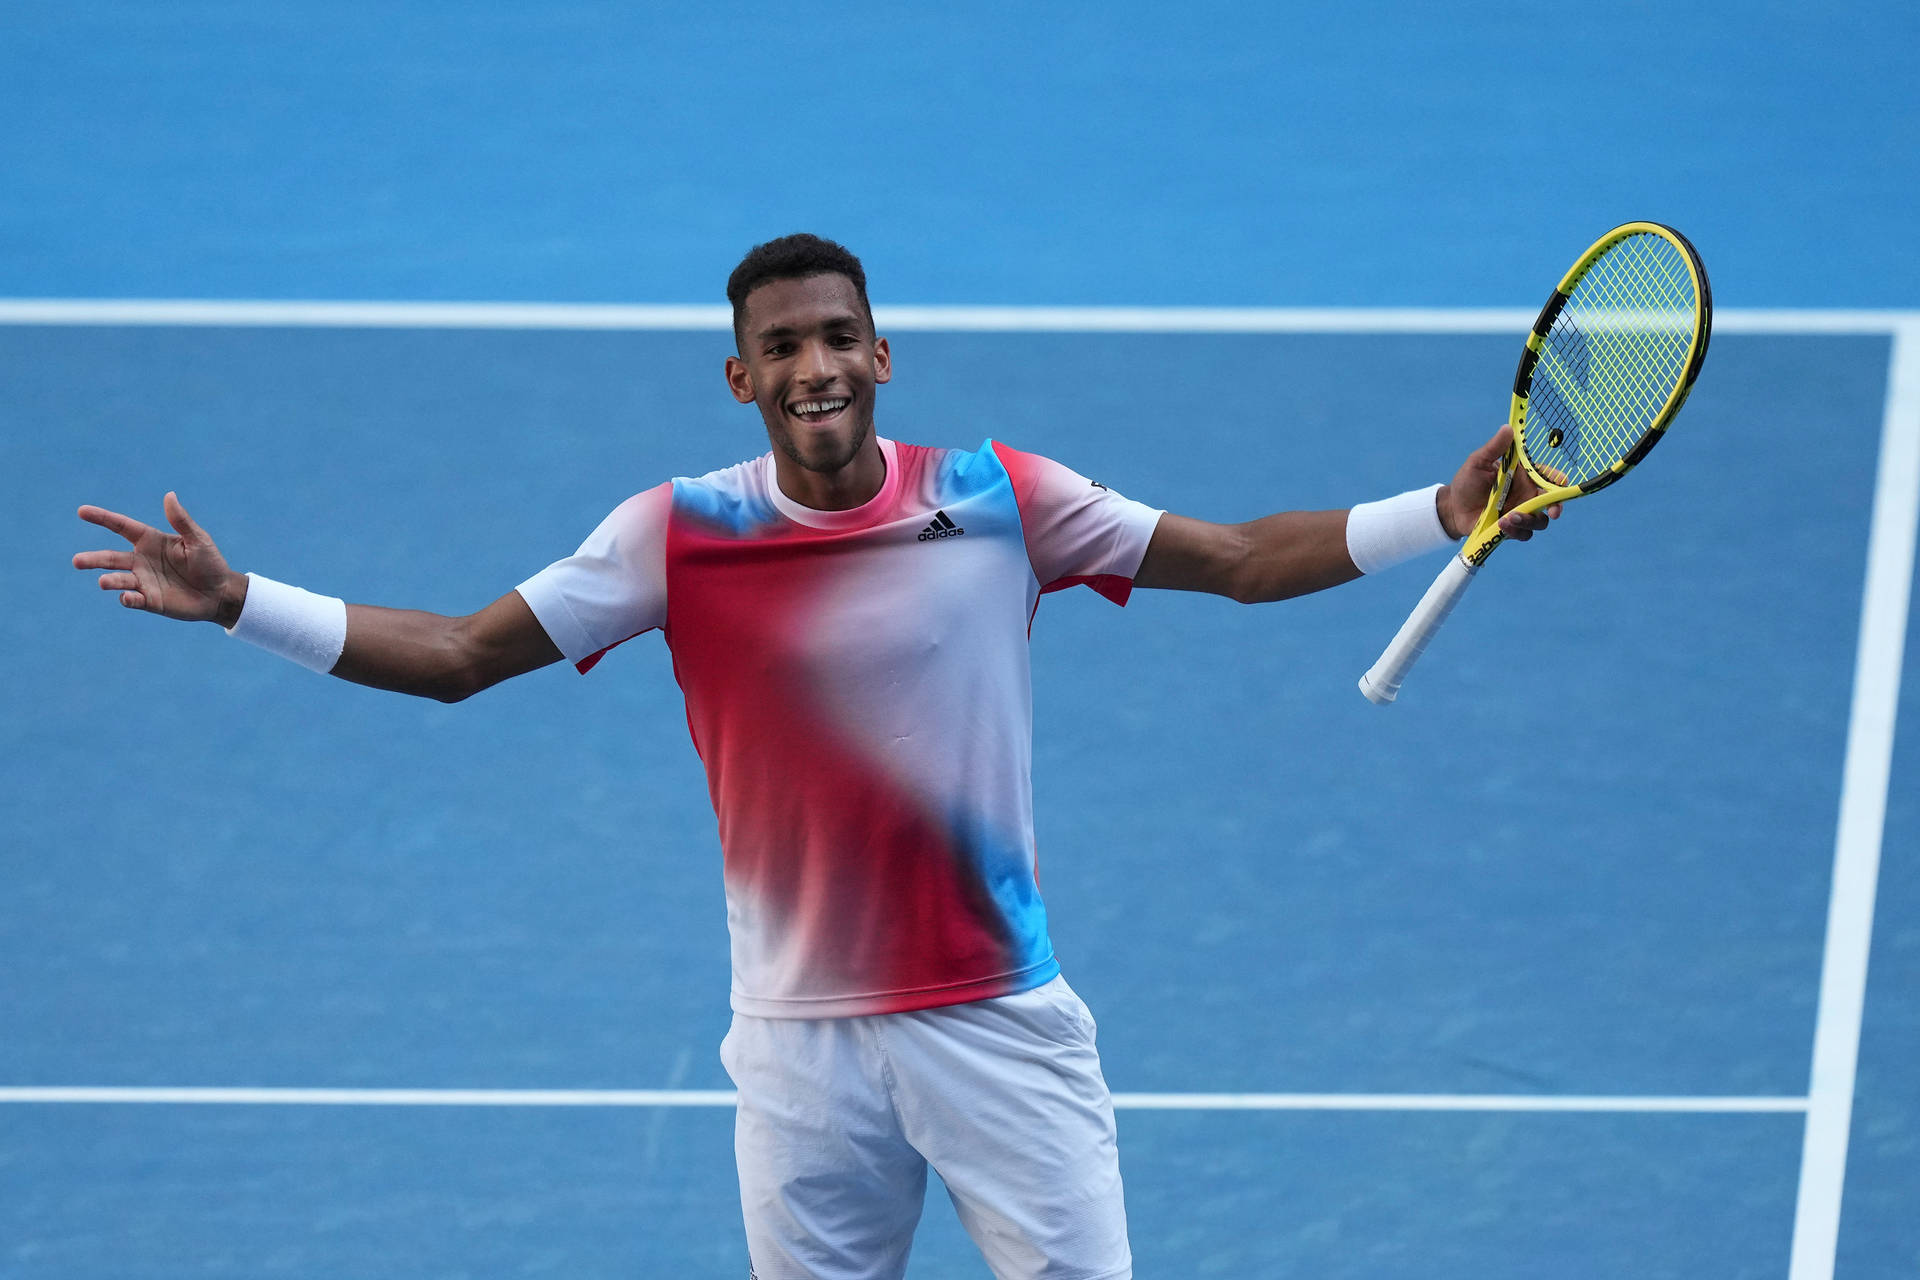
[814, 363]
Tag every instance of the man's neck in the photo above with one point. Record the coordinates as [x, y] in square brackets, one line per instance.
[853, 485]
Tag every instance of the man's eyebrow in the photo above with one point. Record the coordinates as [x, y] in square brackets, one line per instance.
[847, 321]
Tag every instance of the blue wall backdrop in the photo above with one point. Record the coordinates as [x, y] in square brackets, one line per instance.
[1373, 153]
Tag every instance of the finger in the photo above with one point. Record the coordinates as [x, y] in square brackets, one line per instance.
[104, 560]
[119, 582]
[1490, 452]
[177, 517]
[133, 600]
[126, 526]
[1525, 489]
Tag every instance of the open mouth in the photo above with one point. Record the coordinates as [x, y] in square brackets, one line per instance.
[816, 411]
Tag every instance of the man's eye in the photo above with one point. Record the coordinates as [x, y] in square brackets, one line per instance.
[779, 348]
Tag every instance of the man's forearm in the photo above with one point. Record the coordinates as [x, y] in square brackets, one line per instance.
[428, 655]
[1293, 553]
[409, 651]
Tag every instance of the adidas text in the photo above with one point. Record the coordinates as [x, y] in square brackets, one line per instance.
[942, 527]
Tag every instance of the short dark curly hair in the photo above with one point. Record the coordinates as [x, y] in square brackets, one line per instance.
[793, 257]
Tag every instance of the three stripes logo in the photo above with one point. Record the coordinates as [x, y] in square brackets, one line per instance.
[942, 527]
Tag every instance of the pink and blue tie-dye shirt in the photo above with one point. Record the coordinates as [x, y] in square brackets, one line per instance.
[857, 686]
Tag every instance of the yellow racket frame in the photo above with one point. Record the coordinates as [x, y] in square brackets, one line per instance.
[1486, 534]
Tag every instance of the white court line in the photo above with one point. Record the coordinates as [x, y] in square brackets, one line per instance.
[1863, 811]
[1445, 1102]
[725, 1098]
[241, 313]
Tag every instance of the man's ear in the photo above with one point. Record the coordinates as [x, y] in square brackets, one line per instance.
[739, 380]
[882, 361]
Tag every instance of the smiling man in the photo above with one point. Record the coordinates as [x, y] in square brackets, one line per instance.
[848, 619]
[809, 358]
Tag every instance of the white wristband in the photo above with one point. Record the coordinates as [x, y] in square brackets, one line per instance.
[299, 625]
[1384, 533]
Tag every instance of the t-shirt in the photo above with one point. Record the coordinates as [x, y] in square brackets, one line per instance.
[857, 685]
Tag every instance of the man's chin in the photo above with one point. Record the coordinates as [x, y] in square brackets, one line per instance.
[824, 456]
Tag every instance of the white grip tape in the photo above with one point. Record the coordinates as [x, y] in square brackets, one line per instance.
[1381, 684]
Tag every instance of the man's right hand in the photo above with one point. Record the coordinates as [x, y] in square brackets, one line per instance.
[183, 575]
[176, 575]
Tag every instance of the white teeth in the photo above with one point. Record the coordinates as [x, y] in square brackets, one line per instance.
[819, 406]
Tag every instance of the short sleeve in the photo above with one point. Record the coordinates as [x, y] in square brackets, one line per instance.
[1077, 530]
[613, 588]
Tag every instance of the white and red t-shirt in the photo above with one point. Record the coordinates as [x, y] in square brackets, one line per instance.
[857, 685]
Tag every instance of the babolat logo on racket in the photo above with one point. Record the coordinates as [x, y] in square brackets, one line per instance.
[1478, 557]
[942, 527]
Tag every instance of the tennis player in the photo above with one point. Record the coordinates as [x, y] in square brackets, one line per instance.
[848, 618]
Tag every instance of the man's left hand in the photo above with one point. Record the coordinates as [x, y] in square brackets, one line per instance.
[1461, 502]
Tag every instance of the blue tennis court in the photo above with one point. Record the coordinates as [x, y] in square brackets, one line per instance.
[1531, 974]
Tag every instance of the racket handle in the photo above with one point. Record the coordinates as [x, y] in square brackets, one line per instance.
[1381, 684]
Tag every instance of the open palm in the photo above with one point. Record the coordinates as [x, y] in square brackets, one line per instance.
[177, 575]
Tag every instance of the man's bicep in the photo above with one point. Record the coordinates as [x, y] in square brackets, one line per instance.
[1185, 554]
[508, 640]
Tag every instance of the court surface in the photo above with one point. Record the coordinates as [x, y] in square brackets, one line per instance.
[1531, 974]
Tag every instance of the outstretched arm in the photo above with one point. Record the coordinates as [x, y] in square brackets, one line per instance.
[1295, 553]
[432, 656]
[1273, 558]
[183, 575]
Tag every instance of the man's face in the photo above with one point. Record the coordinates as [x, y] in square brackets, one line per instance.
[810, 360]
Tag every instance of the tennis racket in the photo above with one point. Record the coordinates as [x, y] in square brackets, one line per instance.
[1609, 362]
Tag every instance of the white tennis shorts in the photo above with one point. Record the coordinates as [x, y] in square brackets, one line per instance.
[839, 1118]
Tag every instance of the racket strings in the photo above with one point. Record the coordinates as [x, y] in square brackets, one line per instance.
[1629, 319]
[1637, 312]
[1612, 359]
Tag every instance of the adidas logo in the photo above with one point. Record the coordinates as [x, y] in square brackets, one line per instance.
[941, 527]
